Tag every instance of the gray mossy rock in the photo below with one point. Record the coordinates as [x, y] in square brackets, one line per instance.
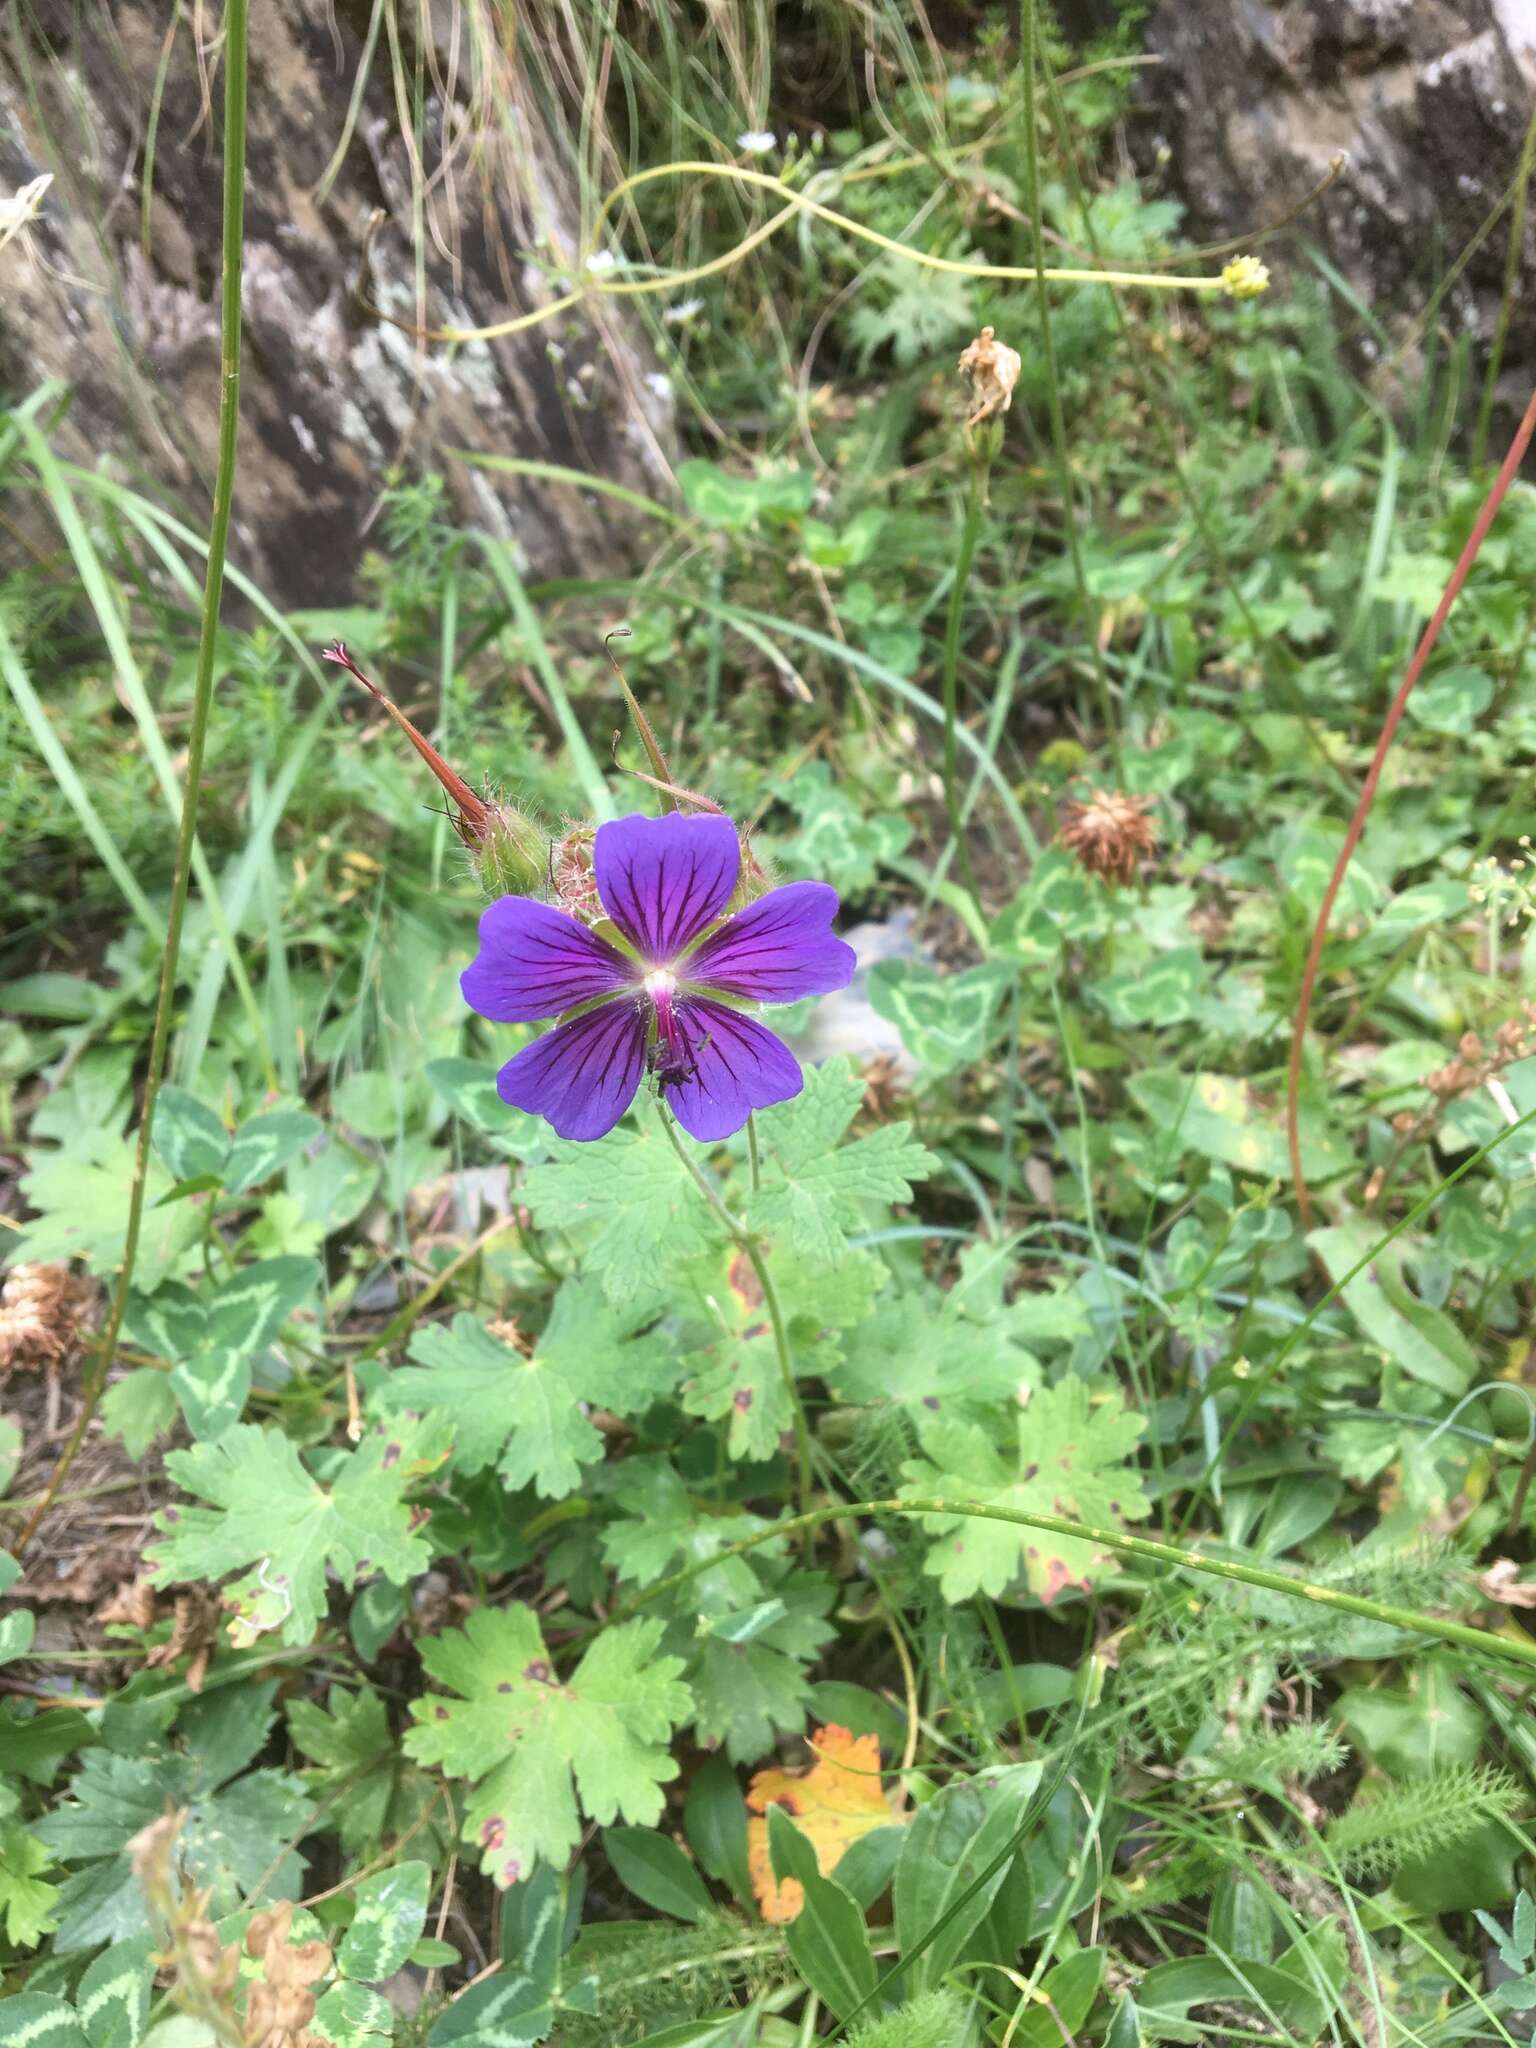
[119, 300]
[1430, 98]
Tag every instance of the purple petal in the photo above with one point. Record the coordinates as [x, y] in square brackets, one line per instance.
[662, 880]
[738, 1067]
[778, 949]
[536, 962]
[582, 1076]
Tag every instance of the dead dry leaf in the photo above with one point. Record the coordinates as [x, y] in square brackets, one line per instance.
[840, 1799]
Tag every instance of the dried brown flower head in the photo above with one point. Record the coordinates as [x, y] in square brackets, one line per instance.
[42, 1311]
[1475, 1064]
[281, 2004]
[506, 1330]
[993, 368]
[1110, 832]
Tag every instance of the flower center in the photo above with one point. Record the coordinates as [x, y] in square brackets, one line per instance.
[661, 986]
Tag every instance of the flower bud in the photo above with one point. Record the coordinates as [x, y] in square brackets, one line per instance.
[993, 369]
[1245, 277]
[510, 852]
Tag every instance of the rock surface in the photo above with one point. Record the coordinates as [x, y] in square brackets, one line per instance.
[1430, 98]
[114, 290]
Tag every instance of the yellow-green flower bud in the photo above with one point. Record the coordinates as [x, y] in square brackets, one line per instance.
[1245, 277]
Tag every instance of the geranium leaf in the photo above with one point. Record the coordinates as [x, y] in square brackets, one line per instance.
[633, 1202]
[736, 1369]
[531, 1411]
[1068, 1460]
[26, 1900]
[532, 1743]
[265, 1511]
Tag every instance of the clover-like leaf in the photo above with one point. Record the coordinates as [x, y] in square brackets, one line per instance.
[266, 1142]
[189, 1135]
[532, 1743]
[391, 1912]
[531, 1412]
[265, 1511]
[1069, 1461]
[209, 1337]
[945, 1021]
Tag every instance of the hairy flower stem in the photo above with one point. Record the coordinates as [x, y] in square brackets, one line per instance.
[235, 28]
[1483, 1641]
[981, 443]
[751, 1247]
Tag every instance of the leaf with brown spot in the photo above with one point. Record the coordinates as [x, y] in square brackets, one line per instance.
[1069, 1461]
[834, 1804]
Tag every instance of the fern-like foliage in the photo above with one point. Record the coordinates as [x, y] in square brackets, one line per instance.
[1227, 1648]
[1266, 1756]
[1160, 1879]
[936, 2020]
[1419, 1818]
[655, 1974]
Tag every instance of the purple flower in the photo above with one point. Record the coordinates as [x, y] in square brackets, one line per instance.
[665, 883]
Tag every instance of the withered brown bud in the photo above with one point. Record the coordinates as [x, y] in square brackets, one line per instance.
[1110, 832]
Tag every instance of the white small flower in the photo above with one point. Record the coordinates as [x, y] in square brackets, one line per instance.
[757, 141]
[22, 206]
[682, 312]
[601, 259]
[658, 382]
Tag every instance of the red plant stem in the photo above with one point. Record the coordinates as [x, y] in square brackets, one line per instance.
[475, 815]
[1421, 654]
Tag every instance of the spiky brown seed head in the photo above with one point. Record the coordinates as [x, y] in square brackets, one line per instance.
[43, 1310]
[1110, 833]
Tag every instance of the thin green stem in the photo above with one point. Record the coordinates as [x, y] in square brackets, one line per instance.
[1053, 385]
[975, 505]
[1480, 1640]
[235, 36]
[751, 1247]
[752, 1152]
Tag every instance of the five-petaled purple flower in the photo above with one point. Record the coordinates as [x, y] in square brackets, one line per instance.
[665, 883]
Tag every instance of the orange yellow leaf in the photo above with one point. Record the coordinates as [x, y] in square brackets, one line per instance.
[834, 1803]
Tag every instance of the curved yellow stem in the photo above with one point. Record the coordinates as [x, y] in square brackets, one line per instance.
[795, 202]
